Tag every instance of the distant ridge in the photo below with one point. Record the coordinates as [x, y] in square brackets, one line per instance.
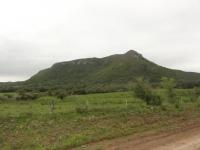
[111, 73]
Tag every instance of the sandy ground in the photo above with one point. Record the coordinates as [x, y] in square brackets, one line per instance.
[184, 139]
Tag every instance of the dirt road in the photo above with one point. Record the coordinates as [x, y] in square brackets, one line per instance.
[184, 139]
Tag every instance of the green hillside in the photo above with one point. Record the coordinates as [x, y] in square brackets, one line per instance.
[112, 73]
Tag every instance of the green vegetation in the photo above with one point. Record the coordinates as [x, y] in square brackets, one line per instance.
[23, 95]
[113, 73]
[169, 85]
[100, 75]
[144, 91]
[51, 123]
[54, 111]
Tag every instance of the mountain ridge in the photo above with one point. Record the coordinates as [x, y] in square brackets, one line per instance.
[114, 72]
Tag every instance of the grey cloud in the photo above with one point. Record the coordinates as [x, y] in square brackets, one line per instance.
[36, 34]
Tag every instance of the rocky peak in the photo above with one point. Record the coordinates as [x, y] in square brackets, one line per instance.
[133, 53]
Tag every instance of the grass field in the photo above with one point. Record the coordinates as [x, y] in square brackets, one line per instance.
[81, 119]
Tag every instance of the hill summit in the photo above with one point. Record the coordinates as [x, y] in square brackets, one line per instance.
[111, 73]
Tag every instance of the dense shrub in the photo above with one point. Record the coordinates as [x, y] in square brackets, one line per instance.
[7, 96]
[61, 94]
[144, 91]
[27, 96]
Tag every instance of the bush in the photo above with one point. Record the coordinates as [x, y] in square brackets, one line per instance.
[61, 94]
[154, 100]
[198, 102]
[144, 91]
[197, 91]
[6, 96]
[178, 103]
[169, 84]
[27, 96]
[9, 96]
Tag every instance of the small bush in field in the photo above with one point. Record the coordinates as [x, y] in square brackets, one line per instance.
[198, 102]
[155, 100]
[9, 96]
[197, 91]
[61, 94]
[193, 98]
[195, 94]
[169, 85]
[144, 91]
[27, 96]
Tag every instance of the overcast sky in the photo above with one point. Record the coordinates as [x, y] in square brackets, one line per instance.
[34, 34]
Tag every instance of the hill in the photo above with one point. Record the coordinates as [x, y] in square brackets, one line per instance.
[112, 73]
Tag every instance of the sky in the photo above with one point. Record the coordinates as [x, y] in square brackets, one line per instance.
[34, 34]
